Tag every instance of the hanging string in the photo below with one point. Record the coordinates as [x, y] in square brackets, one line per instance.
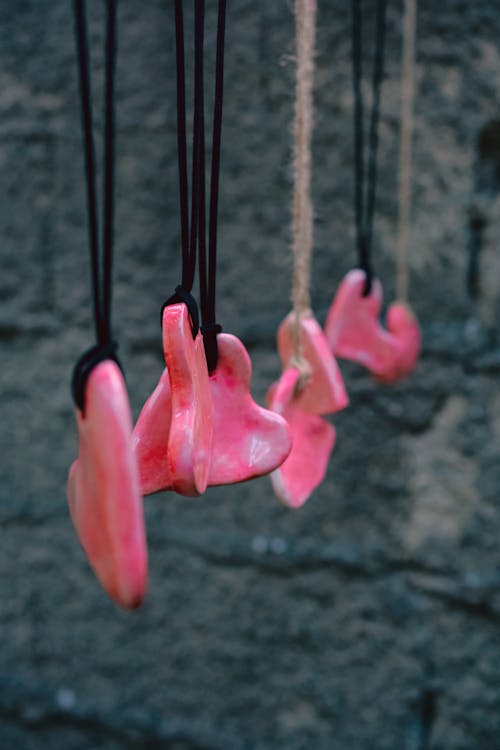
[109, 168]
[208, 269]
[101, 269]
[182, 138]
[189, 232]
[405, 149]
[199, 140]
[198, 132]
[302, 220]
[194, 234]
[365, 186]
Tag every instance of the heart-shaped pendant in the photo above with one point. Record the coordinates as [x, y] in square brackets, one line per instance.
[352, 327]
[248, 440]
[189, 447]
[324, 392]
[312, 443]
[103, 488]
[353, 330]
[150, 439]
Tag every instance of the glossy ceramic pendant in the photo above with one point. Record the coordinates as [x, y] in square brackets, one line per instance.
[248, 440]
[312, 443]
[353, 330]
[150, 439]
[189, 448]
[324, 392]
[103, 488]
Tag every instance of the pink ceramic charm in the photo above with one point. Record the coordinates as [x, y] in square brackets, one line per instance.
[403, 326]
[173, 436]
[150, 439]
[324, 393]
[189, 449]
[248, 440]
[353, 330]
[312, 443]
[103, 488]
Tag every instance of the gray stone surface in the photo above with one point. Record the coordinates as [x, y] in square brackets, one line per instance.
[371, 618]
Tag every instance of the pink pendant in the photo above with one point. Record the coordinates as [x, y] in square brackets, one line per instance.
[324, 392]
[150, 439]
[103, 488]
[248, 440]
[353, 330]
[403, 325]
[312, 443]
[189, 448]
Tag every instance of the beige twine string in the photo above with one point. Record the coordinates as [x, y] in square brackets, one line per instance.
[302, 224]
[405, 149]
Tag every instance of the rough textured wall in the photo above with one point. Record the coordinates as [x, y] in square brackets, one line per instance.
[371, 618]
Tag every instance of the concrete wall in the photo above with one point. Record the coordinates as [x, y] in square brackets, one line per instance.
[369, 619]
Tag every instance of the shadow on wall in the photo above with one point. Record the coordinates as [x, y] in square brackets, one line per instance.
[484, 260]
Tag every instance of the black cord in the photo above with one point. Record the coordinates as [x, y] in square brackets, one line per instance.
[181, 133]
[89, 151]
[198, 133]
[194, 234]
[101, 269]
[189, 233]
[109, 164]
[378, 74]
[208, 271]
[358, 132]
[365, 190]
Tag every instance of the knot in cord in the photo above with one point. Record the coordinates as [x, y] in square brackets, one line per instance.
[182, 295]
[304, 369]
[84, 366]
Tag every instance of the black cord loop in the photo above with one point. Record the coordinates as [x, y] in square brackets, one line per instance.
[101, 267]
[365, 185]
[189, 231]
[194, 234]
[86, 364]
[182, 295]
[208, 266]
[181, 132]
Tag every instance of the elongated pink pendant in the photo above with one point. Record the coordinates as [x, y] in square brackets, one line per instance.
[103, 488]
[312, 443]
[353, 330]
[174, 432]
[150, 439]
[324, 392]
[248, 440]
